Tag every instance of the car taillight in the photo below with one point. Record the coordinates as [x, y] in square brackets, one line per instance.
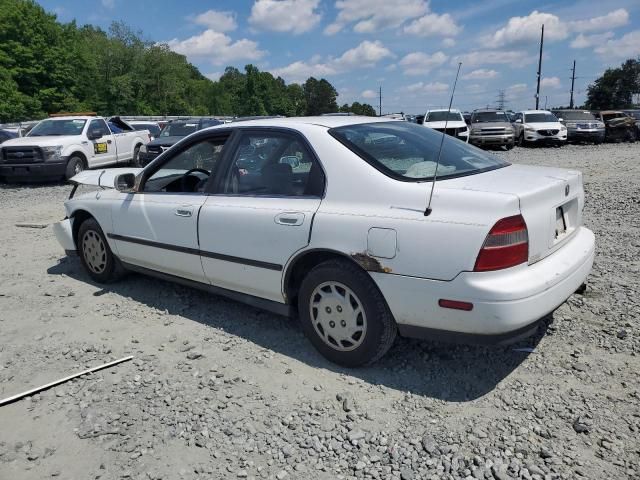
[506, 245]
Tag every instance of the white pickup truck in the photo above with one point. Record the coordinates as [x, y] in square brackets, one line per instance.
[62, 147]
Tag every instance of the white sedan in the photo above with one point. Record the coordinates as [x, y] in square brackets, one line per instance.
[326, 218]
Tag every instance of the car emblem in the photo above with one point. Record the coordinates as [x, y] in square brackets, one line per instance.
[19, 154]
[566, 191]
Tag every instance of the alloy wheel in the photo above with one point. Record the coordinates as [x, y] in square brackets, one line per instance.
[94, 251]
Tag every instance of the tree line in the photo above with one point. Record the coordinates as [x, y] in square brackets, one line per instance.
[47, 67]
[616, 88]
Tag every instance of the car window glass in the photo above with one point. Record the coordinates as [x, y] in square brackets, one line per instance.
[175, 175]
[273, 164]
[100, 126]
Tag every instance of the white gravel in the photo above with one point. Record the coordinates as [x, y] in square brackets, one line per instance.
[220, 390]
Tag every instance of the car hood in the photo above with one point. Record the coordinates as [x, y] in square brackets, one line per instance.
[449, 124]
[101, 178]
[44, 141]
[491, 125]
[164, 141]
[544, 125]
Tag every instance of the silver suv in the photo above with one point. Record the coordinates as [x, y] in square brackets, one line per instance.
[491, 128]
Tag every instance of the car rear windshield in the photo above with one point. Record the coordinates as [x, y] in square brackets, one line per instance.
[180, 129]
[574, 115]
[539, 117]
[152, 127]
[57, 127]
[443, 117]
[484, 117]
[406, 151]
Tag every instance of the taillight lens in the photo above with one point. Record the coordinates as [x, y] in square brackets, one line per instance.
[506, 245]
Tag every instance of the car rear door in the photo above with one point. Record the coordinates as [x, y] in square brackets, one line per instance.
[157, 227]
[262, 213]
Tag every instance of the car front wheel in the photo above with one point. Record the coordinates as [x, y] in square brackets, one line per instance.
[344, 314]
[95, 254]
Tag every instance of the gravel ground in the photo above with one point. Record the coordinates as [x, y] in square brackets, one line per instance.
[220, 390]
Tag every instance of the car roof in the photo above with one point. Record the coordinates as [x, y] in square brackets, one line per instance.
[293, 122]
[535, 111]
[454, 110]
[79, 117]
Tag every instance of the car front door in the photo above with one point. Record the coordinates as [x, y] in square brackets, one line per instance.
[262, 212]
[104, 147]
[157, 226]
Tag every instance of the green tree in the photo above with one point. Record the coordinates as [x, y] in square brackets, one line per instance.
[615, 88]
[320, 96]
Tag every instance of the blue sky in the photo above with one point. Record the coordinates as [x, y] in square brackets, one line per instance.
[410, 48]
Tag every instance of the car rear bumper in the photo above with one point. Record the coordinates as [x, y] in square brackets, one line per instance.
[33, 171]
[505, 302]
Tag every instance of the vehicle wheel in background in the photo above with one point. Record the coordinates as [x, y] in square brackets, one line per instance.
[135, 160]
[631, 136]
[509, 146]
[95, 255]
[75, 165]
[344, 315]
[521, 141]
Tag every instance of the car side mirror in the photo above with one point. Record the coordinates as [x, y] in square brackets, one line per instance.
[561, 119]
[94, 134]
[125, 182]
[291, 160]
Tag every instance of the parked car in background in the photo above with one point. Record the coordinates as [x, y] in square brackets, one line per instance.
[540, 127]
[7, 135]
[467, 117]
[452, 120]
[152, 127]
[619, 126]
[502, 246]
[173, 132]
[63, 146]
[582, 126]
[491, 128]
[636, 116]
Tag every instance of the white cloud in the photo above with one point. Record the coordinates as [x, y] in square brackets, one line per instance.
[550, 82]
[516, 88]
[369, 94]
[520, 30]
[586, 41]
[421, 87]
[295, 16]
[218, 47]
[108, 3]
[480, 74]
[448, 42]
[614, 19]
[419, 63]
[367, 54]
[494, 57]
[432, 25]
[372, 16]
[217, 21]
[627, 46]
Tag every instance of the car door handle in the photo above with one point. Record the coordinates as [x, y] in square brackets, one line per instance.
[109, 142]
[184, 212]
[291, 219]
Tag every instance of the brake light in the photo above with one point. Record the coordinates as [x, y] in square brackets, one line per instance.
[506, 245]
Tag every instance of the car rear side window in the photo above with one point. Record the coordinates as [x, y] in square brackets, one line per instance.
[405, 151]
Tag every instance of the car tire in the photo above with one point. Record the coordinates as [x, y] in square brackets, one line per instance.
[521, 141]
[75, 165]
[509, 146]
[341, 299]
[135, 160]
[95, 255]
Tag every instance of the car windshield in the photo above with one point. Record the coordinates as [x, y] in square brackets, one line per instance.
[406, 151]
[153, 128]
[574, 115]
[444, 116]
[57, 127]
[484, 117]
[179, 129]
[539, 117]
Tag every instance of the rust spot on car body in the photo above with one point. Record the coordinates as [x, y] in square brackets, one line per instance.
[369, 263]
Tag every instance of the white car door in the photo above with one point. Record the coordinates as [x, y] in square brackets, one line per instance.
[263, 212]
[157, 227]
[104, 150]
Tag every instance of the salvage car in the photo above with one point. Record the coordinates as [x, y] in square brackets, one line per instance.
[171, 133]
[491, 128]
[619, 126]
[65, 145]
[449, 121]
[582, 126]
[540, 127]
[327, 219]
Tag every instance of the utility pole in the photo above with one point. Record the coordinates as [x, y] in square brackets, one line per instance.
[501, 100]
[539, 68]
[573, 79]
[380, 102]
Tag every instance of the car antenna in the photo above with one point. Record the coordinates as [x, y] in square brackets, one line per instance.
[427, 212]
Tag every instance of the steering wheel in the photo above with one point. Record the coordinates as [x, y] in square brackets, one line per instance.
[183, 180]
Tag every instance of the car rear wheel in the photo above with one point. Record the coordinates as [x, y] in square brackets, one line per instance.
[75, 165]
[95, 254]
[344, 315]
